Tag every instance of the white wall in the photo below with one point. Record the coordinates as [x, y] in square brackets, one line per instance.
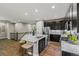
[39, 27]
[29, 27]
[2, 30]
[10, 28]
[20, 27]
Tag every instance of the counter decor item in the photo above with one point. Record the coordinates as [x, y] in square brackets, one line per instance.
[73, 39]
[34, 30]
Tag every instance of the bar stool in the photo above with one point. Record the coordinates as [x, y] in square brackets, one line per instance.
[28, 49]
[22, 42]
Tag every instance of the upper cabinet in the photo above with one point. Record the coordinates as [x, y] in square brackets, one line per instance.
[59, 25]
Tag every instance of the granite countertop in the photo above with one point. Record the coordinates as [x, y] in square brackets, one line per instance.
[34, 38]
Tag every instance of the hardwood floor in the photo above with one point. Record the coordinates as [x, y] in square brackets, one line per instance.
[10, 48]
[53, 49]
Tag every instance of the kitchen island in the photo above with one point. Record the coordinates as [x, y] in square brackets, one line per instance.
[39, 42]
[69, 49]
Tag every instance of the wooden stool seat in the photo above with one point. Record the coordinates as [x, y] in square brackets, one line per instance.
[28, 48]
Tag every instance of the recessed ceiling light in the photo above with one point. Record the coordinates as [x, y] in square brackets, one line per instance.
[53, 6]
[26, 14]
[36, 10]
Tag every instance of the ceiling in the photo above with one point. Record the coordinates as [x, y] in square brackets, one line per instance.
[31, 12]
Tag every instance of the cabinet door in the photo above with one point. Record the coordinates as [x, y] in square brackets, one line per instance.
[55, 38]
[62, 25]
[41, 45]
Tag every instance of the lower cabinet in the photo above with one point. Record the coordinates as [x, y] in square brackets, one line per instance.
[64, 53]
[55, 38]
[41, 45]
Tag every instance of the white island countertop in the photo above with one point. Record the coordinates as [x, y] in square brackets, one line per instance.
[68, 47]
[31, 38]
